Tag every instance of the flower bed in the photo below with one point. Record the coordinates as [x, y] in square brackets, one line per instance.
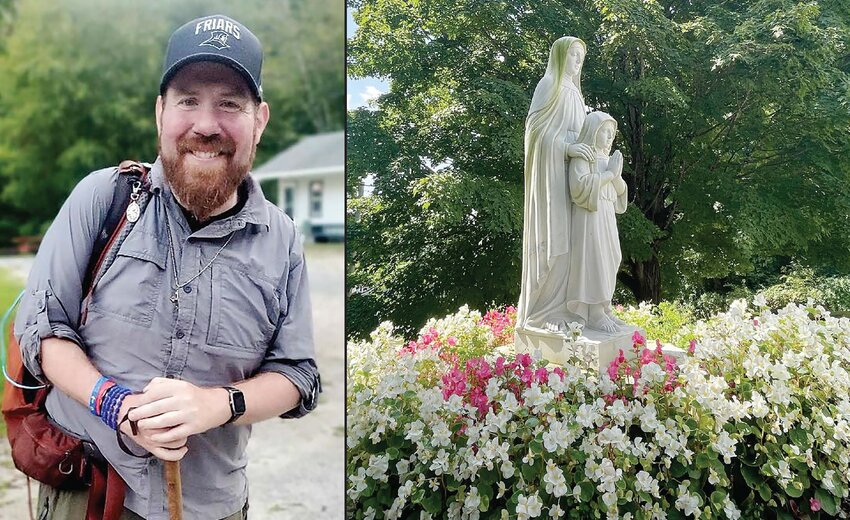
[753, 423]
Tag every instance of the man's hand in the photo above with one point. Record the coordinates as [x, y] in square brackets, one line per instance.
[172, 450]
[176, 409]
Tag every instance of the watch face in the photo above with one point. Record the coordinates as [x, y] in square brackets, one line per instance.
[238, 402]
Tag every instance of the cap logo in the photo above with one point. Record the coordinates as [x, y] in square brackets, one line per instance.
[218, 24]
[218, 39]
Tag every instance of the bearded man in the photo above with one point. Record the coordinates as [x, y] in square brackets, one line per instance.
[201, 325]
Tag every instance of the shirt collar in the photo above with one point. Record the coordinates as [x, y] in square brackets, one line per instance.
[254, 211]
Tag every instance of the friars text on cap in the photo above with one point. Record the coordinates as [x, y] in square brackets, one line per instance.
[217, 24]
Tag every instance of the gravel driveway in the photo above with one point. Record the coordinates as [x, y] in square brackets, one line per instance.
[296, 467]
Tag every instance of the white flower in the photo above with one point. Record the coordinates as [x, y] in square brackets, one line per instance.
[402, 466]
[369, 514]
[555, 511]
[471, 502]
[730, 510]
[501, 489]
[758, 406]
[759, 300]
[646, 483]
[687, 503]
[440, 464]
[378, 466]
[587, 415]
[725, 446]
[507, 469]
[358, 483]
[414, 431]
[557, 436]
[441, 435]
[613, 436]
[530, 507]
[556, 484]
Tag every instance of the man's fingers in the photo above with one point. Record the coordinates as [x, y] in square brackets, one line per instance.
[168, 454]
[165, 420]
[151, 409]
[174, 438]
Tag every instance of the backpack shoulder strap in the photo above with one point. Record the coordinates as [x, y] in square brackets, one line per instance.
[129, 172]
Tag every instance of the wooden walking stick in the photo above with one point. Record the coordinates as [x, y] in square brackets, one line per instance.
[173, 490]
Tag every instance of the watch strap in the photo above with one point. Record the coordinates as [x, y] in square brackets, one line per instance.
[237, 403]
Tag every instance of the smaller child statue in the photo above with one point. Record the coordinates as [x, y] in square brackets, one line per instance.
[598, 193]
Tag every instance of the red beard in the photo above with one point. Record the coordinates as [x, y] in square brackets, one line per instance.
[202, 190]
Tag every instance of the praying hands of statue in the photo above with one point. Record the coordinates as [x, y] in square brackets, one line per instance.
[580, 150]
[615, 164]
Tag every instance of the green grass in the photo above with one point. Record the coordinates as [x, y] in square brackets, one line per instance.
[10, 286]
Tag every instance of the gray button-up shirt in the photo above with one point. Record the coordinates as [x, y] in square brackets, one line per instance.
[248, 313]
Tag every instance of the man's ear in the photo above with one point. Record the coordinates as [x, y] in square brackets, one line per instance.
[262, 120]
[158, 110]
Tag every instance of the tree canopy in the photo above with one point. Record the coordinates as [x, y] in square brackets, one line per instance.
[80, 78]
[733, 119]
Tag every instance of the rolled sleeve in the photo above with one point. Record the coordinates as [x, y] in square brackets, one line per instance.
[291, 351]
[51, 303]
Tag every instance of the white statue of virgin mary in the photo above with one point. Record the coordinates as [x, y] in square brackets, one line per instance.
[554, 120]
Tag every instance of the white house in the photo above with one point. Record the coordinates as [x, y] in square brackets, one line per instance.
[311, 184]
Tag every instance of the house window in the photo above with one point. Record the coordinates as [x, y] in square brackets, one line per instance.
[316, 199]
[288, 198]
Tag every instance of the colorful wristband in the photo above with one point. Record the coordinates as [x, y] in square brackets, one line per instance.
[94, 393]
[98, 403]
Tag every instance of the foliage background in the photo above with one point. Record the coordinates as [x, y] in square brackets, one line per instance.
[733, 118]
[78, 81]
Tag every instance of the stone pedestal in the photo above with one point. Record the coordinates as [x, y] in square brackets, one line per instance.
[558, 349]
[603, 348]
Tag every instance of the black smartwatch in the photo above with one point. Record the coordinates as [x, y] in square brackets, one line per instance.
[237, 403]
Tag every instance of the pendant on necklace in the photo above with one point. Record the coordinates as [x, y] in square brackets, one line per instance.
[174, 297]
[133, 211]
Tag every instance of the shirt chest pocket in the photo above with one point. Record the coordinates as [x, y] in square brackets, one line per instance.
[244, 311]
[130, 288]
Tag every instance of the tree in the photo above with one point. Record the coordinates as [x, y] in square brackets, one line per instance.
[80, 79]
[732, 118]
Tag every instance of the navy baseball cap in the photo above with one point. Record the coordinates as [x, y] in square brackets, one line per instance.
[215, 38]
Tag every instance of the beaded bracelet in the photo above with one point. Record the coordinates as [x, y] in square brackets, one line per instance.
[111, 405]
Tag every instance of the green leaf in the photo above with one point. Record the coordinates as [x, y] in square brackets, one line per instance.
[393, 453]
[587, 490]
[752, 477]
[433, 502]
[536, 446]
[718, 498]
[827, 501]
[677, 469]
[704, 460]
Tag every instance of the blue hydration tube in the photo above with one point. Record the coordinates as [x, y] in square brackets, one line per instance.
[4, 326]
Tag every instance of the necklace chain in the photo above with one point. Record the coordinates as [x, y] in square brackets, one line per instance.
[177, 284]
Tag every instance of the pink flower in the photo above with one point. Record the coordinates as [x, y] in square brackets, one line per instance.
[692, 346]
[500, 366]
[542, 375]
[614, 370]
[524, 360]
[527, 376]
[452, 341]
[814, 503]
[638, 339]
[559, 372]
[756, 324]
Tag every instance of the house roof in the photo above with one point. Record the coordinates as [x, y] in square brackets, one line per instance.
[320, 153]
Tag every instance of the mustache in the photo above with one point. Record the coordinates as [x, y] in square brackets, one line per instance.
[211, 143]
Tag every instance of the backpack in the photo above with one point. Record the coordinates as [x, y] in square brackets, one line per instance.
[40, 449]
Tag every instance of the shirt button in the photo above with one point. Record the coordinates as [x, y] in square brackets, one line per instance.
[180, 334]
[187, 289]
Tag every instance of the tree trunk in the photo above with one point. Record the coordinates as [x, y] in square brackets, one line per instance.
[646, 280]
